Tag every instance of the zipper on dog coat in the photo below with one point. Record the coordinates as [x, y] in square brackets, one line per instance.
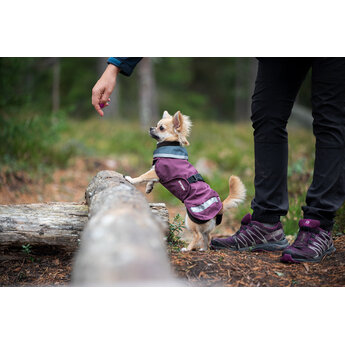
[181, 178]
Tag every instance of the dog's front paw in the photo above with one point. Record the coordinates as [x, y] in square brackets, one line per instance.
[149, 187]
[129, 179]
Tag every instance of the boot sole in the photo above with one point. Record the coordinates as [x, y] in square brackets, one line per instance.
[289, 259]
[263, 247]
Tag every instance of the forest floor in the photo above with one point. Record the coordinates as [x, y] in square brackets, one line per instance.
[230, 268]
[51, 267]
[43, 266]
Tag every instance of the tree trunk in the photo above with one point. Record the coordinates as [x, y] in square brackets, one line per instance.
[122, 244]
[56, 85]
[54, 224]
[246, 69]
[253, 70]
[240, 90]
[147, 94]
[302, 115]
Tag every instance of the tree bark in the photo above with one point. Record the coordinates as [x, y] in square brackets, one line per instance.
[253, 70]
[122, 244]
[241, 101]
[54, 224]
[246, 69]
[302, 115]
[147, 93]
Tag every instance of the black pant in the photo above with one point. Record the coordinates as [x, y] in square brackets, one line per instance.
[277, 83]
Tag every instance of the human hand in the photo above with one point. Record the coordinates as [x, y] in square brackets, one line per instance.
[103, 88]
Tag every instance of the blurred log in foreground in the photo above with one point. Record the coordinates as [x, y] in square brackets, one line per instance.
[122, 244]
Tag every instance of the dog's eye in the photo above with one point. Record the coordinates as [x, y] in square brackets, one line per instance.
[161, 128]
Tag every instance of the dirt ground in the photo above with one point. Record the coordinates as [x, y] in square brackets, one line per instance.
[46, 266]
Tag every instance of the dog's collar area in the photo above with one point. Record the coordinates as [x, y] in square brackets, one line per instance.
[168, 143]
[171, 151]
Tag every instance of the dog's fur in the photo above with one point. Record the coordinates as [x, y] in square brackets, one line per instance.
[177, 128]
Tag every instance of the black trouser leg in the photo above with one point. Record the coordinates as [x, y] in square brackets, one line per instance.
[277, 83]
[327, 191]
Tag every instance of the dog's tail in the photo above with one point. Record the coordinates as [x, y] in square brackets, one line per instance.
[237, 193]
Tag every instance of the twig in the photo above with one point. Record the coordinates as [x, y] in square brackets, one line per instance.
[21, 267]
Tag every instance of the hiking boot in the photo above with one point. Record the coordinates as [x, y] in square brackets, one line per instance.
[311, 245]
[254, 236]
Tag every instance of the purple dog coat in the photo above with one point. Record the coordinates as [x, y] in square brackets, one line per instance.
[180, 177]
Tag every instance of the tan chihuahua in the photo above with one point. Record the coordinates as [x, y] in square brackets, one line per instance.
[172, 169]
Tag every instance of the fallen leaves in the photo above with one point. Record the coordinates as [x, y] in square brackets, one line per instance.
[306, 266]
[45, 270]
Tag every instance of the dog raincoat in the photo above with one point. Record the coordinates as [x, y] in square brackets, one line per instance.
[181, 178]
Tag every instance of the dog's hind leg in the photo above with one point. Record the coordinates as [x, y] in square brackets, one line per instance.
[205, 230]
[193, 228]
[205, 242]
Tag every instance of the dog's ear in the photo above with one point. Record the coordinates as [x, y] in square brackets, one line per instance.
[178, 121]
[166, 115]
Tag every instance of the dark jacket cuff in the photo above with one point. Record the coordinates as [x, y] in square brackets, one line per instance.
[126, 65]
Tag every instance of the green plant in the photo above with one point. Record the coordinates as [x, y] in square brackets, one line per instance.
[298, 167]
[290, 221]
[175, 229]
[26, 248]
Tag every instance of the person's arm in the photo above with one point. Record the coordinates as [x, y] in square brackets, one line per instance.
[106, 84]
[125, 64]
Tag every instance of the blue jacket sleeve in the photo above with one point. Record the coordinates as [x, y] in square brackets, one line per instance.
[126, 64]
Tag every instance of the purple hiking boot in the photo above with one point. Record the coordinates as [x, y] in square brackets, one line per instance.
[253, 235]
[311, 245]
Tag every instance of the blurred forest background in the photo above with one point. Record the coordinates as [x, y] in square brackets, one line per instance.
[47, 121]
[207, 88]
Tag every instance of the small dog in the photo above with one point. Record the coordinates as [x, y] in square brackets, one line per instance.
[172, 169]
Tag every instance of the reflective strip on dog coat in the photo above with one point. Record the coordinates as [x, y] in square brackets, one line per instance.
[173, 169]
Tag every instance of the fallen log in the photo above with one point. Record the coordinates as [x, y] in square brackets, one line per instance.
[122, 244]
[55, 223]
[160, 211]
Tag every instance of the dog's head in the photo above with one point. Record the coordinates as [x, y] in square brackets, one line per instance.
[172, 128]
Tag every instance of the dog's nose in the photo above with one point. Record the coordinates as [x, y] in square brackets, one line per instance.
[151, 128]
